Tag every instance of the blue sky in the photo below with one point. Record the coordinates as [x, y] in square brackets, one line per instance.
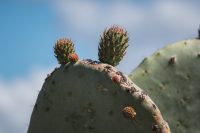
[29, 29]
[28, 32]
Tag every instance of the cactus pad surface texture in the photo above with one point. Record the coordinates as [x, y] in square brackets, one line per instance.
[85, 97]
[171, 76]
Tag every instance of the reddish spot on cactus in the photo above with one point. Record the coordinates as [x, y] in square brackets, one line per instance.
[117, 29]
[129, 112]
[116, 79]
[73, 57]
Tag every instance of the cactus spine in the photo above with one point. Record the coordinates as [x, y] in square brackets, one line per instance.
[112, 45]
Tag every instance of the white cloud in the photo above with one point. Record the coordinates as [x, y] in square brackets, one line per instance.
[89, 17]
[124, 14]
[178, 15]
[17, 98]
[79, 14]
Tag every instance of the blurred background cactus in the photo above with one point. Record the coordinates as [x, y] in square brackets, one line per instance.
[171, 77]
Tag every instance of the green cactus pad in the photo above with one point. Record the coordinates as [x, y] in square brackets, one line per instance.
[87, 97]
[171, 77]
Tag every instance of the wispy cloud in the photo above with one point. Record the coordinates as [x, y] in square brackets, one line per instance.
[89, 17]
[177, 15]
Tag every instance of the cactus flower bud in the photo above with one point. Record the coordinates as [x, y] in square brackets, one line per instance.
[112, 45]
[63, 48]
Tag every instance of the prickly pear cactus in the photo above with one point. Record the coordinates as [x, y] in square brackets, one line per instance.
[87, 97]
[171, 77]
[93, 97]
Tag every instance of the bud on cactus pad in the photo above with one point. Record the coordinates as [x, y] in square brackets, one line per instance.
[171, 77]
[112, 45]
[73, 57]
[63, 48]
[82, 97]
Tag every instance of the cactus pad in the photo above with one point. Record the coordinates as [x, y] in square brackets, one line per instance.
[91, 97]
[171, 77]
